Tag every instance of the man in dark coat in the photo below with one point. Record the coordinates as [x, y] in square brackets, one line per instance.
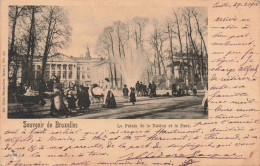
[83, 98]
[137, 87]
[174, 89]
[154, 89]
[125, 92]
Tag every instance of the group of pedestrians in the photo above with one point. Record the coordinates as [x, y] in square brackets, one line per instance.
[139, 90]
[132, 94]
[143, 90]
[77, 96]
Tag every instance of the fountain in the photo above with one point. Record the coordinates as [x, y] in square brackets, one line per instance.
[132, 66]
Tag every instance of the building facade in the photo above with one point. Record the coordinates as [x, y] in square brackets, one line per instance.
[84, 70]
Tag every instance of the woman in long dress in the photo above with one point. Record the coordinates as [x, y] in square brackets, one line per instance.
[109, 98]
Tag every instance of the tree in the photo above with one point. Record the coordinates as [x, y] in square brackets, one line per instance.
[31, 35]
[157, 41]
[178, 21]
[58, 32]
[14, 13]
[195, 14]
[121, 36]
[103, 47]
[139, 23]
[169, 31]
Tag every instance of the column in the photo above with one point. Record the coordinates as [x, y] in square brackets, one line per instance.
[80, 77]
[50, 71]
[61, 70]
[67, 66]
[74, 72]
[55, 69]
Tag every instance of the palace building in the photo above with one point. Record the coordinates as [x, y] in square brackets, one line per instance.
[84, 69]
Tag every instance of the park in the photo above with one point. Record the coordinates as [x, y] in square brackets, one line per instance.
[134, 66]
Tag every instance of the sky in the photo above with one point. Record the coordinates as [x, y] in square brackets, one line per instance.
[88, 22]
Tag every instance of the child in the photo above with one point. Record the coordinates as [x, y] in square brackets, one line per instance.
[194, 90]
[83, 98]
[71, 100]
[132, 95]
[125, 93]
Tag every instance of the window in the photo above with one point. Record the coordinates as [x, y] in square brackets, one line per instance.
[65, 74]
[70, 67]
[59, 73]
[53, 73]
[64, 67]
[52, 67]
[70, 74]
[58, 67]
[78, 76]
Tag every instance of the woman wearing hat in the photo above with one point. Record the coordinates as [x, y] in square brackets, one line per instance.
[109, 98]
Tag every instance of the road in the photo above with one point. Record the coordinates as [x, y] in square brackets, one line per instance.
[186, 107]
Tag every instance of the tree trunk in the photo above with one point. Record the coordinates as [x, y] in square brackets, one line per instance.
[29, 44]
[47, 46]
[11, 51]
[159, 64]
[171, 47]
[33, 41]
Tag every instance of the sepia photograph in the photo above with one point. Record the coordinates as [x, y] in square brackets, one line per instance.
[104, 63]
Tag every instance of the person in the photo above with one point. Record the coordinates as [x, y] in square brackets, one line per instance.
[132, 96]
[150, 89]
[57, 103]
[83, 98]
[145, 90]
[141, 89]
[29, 91]
[71, 100]
[137, 87]
[57, 79]
[109, 98]
[186, 90]
[51, 84]
[125, 92]
[194, 90]
[42, 86]
[71, 85]
[154, 89]
[174, 89]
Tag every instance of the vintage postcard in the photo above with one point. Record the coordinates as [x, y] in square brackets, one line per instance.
[129, 82]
